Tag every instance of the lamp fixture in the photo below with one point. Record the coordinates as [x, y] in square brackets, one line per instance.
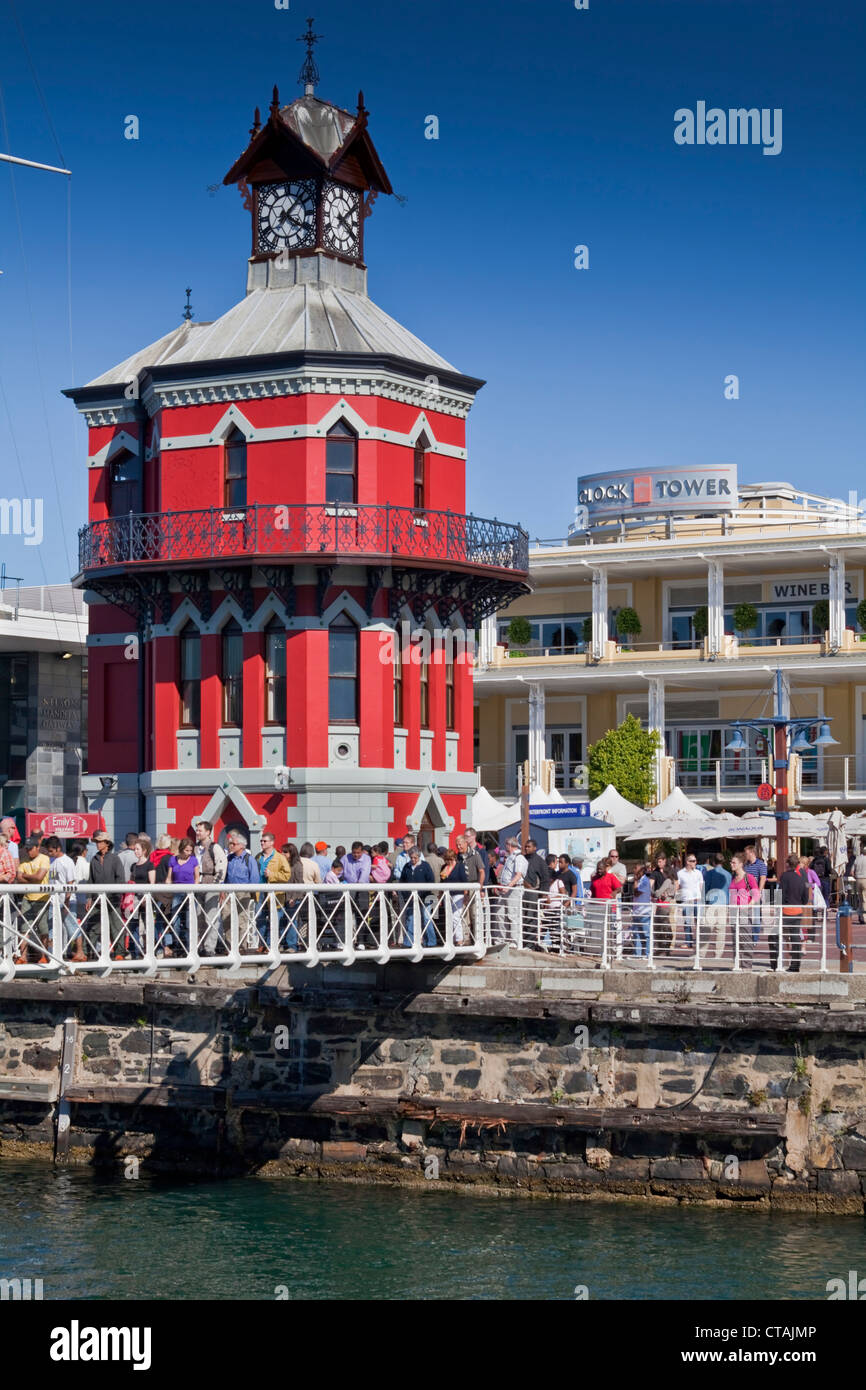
[738, 743]
[801, 743]
[824, 737]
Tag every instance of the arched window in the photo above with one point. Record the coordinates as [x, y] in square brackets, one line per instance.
[424, 682]
[232, 670]
[398, 684]
[124, 484]
[190, 677]
[275, 673]
[341, 464]
[420, 473]
[343, 671]
[449, 691]
[235, 490]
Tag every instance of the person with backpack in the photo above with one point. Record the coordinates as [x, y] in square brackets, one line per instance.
[273, 867]
[743, 892]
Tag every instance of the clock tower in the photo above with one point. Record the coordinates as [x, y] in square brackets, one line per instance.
[309, 177]
[282, 578]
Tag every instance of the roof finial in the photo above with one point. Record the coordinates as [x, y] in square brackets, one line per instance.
[257, 122]
[309, 74]
[275, 102]
[187, 313]
[362, 110]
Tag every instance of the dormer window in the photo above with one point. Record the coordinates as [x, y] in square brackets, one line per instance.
[124, 484]
[341, 464]
[235, 488]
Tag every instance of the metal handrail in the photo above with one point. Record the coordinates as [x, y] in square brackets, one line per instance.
[302, 528]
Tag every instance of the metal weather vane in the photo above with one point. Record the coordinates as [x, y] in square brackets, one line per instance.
[309, 74]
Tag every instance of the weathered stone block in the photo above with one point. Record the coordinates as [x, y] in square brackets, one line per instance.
[458, 1056]
[854, 1152]
[837, 1181]
[343, 1151]
[399, 1052]
[636, 1169]
[41, 1058]
[382, 1078]
[513, 1166]
[468, 1078]
[678, 1169]
[575, 1082]
[137, 1041]
[95, 1045]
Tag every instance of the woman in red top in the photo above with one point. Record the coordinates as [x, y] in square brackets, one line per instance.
[604, 884]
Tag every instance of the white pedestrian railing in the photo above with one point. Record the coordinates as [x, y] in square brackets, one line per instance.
[699, 936]
[145, 928]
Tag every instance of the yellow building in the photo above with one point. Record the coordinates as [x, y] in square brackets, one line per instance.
[686, 549]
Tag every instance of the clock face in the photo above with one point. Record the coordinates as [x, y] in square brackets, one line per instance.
[341, 219]
[287, 215]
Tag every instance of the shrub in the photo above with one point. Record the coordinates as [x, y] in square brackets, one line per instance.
[861, 614]
[628, 623]
[821, 615]
[624, 757]
[587, 628]
[701, 621]
[745, 617]
[519, 632]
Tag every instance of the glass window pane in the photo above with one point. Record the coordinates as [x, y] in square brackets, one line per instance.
[341, 698]
[342, 653]
[233, 654]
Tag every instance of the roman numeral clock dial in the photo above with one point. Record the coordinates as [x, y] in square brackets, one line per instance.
[341, 220]
[287, 215]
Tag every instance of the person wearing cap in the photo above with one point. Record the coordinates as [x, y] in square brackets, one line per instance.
[323, 858]
[105, 867]
[34, 866]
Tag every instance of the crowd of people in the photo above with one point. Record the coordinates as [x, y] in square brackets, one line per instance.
[534, 899]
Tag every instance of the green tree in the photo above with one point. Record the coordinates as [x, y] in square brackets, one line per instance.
[861, 615]
[628, 623]
[624, 757]
[519, 632]
[745, 617]
[701, 622]
[821, 615]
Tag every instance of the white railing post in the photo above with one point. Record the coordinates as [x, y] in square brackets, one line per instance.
[718, 779]
[234, 930]
[384, 952]
[190, 907]
[697, 925]
[845, 777]
[57, 899]
[149, 933]
[416, 924]
[605, 958]
[780, 963]
[104, 931]
[735, 927]
[651, 936]
[9, 951]
[823, 966]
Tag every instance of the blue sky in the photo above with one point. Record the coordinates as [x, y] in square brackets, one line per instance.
[556, 129]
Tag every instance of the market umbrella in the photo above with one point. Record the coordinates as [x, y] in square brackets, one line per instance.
[837, 841]
[727, 826]
[612, 807]
[488, 813]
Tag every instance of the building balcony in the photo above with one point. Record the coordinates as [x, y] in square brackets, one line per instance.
[316, 532]
[624, 653]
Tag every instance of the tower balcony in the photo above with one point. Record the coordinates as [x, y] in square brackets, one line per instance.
[326, 532]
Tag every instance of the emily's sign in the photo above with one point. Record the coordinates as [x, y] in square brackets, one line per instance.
[659, 490]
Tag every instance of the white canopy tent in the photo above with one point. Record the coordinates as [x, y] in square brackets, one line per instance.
[611, 806]
[488, 813]
[675, 818]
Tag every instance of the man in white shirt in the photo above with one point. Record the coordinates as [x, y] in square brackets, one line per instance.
[509, 923]
[616, 867]
[61, 872]
[127, 854]
[10, 830]
[690, 894]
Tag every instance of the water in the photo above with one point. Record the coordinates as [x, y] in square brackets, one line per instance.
[91, 1236]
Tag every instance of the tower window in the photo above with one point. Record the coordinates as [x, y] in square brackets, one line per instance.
[398, 685]
[232, 673]
[343, 671]
[235, 491]
[190, 677]
[449, 694]
[275, 673]
[420, 473]
[341, 464]
[424, 668]
[124, 484]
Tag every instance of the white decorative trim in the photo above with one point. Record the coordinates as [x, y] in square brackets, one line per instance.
[119, 443]
[97, 416]
[344, 603]
[444, 400]
[427, 798]
[229, 608]
[341, 410]
[152, 450]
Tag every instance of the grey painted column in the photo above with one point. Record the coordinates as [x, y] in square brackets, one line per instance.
[536, 731]
[599, 613]
[715, 607]
[487, 641]
[656, 721]
[837, 601]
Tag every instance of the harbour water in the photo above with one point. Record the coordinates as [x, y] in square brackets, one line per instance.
[92, 1236]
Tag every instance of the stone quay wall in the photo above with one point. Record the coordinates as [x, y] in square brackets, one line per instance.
[512, 1075]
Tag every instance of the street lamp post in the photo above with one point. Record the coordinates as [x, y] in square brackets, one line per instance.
[789, 736]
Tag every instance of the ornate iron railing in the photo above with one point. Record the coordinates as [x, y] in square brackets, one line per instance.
[268, 530]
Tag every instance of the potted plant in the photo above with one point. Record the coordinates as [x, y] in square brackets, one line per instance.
[821, 615]
[628, 624]
[519, 635]
[745, 618]
[587, 631]
[861, 617]
[701, 622]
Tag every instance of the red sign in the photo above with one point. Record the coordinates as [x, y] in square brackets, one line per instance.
[765, 792]
[67, 825]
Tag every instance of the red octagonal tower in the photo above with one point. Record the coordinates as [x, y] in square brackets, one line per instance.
[280, 569]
